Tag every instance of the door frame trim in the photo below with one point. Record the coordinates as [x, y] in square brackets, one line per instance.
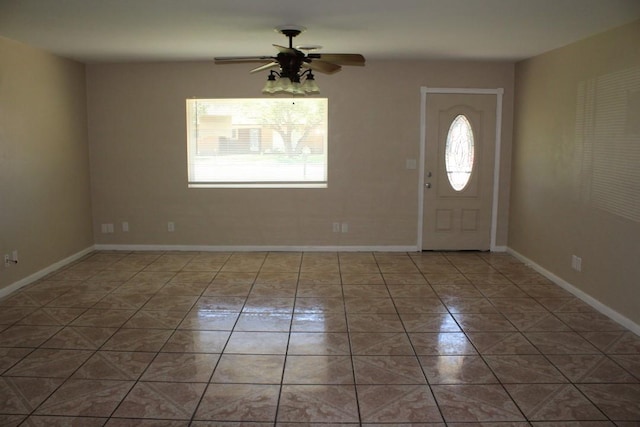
[424, 91]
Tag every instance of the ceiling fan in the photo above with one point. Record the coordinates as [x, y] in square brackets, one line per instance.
[295, 67]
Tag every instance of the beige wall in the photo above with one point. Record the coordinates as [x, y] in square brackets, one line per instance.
[45, 205]
[575, 138]
[139, 171]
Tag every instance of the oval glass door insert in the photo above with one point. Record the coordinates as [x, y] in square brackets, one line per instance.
[459, 152]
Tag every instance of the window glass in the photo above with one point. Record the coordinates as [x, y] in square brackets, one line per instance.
[257, 142]
[459, 153]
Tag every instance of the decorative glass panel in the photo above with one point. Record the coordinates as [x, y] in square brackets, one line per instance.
[459, 152]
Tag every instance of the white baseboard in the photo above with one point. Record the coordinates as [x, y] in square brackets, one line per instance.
[40, 274]
[602, 308]
[208, 248]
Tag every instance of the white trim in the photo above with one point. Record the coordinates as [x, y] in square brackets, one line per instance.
[496, 170]
[40, 274]
[499, 92]
[423, 137]
[588, 299]
[454, 90]
[257, 248]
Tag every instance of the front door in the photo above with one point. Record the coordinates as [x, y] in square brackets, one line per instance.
[458, 171]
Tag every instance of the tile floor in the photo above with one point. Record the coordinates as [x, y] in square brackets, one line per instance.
[277, 339]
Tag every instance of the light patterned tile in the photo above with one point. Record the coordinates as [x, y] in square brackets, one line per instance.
[409, 279]
[239, 402]
[264, 322]
[27, 335]
[249, 369]
[362, 279]
[318, 291]
[318, 370]
[318, 403]
[476, 403]
[220, 303]
[209, 320]
[374, 322]
[456, 370]
[164, 400]
[381, 343]
[21, 395]
[630, 362]
[181, 367]
[388, 370]
[589, 322]
[10, 356]
[428, 322]
[319, 322]
[52, 316]
[319, 305]
[257, 343]
[103, 318]
[138, 340]
[560, 343]
[58, 421]
[274, 290]
[553, 402]
[196, 341]
[419, 305]
[469, 305]
[114, 365]
[369, 305]
[318, 343]
[397, 404]
[617, 401]
[441, 343]
[261, 304]
[94, 398]
[80, 337]
[411, 291]
[618, 342]
[521, 368]
[591, 368]
[50, 363]
[154, 319]
[502, 343]
[537, 322]
[483, 322]
[228, 290]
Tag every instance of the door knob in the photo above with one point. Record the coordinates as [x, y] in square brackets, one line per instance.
[428, 185]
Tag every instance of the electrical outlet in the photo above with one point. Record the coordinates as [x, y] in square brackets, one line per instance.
[125, 227]
[171, 227]
[14, 256]
[576, 263]
[344, 227]
[107, 228]
[336, 227]
[7, 260]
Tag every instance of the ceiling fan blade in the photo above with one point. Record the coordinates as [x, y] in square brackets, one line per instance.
[323, 66]
[339, 58]
[283, 49]
[241, 59]
[265, 67]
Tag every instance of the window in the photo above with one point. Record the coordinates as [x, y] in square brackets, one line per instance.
[459, 153]
[249, 143]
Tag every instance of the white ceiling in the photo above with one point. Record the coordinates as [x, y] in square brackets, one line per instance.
[167, 30]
